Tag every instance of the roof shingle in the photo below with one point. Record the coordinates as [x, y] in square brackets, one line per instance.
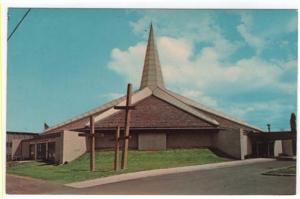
[155, 113]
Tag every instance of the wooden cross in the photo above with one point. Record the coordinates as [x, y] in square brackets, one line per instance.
[92, 137]
[117, 137]
[127, 109]
[117, 140]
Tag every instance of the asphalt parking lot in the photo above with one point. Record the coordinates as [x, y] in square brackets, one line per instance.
[236, 180]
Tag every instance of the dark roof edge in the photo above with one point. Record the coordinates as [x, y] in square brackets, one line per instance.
[21, 132]
[151, 128]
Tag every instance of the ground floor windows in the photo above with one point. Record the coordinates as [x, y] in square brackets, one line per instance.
[42, 151]
[263, 149]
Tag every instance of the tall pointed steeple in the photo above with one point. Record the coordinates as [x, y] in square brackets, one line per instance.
[152, 75]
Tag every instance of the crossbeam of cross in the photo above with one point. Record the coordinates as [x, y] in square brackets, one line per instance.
[92, 137]
[128, 107]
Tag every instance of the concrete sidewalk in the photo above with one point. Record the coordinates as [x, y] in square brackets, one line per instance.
[158, 172]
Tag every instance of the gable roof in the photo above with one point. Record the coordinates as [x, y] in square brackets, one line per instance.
[152, 84]
[136, 97]
[155, 113]
[209, 111]
[107, 110]
[162, 94]
[83, 119]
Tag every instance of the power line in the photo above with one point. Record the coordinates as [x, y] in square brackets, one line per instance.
[14, 30]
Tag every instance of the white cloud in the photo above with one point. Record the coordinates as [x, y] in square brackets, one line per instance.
[292, 25]
[252, 40]
[111, 96]
[283, 43]
[198, 28]
[277, 112]
[198, 72]
[141, 26]
[200, 97]
[174, 49]
[206, 71]
[245, 30]
[128, 63]
[262, 38]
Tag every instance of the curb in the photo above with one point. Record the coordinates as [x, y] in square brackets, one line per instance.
[158, 172]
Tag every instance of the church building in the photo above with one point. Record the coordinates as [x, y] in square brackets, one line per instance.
[162, 120]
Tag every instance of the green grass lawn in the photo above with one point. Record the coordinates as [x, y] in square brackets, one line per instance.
[78, 170]
[285, 171]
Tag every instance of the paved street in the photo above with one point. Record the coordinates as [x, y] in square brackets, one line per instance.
[246, 179]
[26, 185]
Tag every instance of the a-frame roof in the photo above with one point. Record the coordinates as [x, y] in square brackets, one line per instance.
[152, 84]
[155, 113]
[211, 112]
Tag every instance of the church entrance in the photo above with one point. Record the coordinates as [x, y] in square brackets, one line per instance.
[32, 151]
[51, 152]
[263, 149]
[41, 151]
[263, 144]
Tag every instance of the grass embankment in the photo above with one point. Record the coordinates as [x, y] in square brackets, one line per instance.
[286, 171]
[78, 170]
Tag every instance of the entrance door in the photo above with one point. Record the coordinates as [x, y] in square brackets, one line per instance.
[263, 149]
[31, 151]
[41, 151]
[51, 152]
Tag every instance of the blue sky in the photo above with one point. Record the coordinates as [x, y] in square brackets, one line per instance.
[63, 62]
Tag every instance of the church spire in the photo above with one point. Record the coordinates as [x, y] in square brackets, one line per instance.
[152, 75]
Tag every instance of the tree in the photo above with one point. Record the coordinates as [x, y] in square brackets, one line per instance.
[293, 130]
[293, 123]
